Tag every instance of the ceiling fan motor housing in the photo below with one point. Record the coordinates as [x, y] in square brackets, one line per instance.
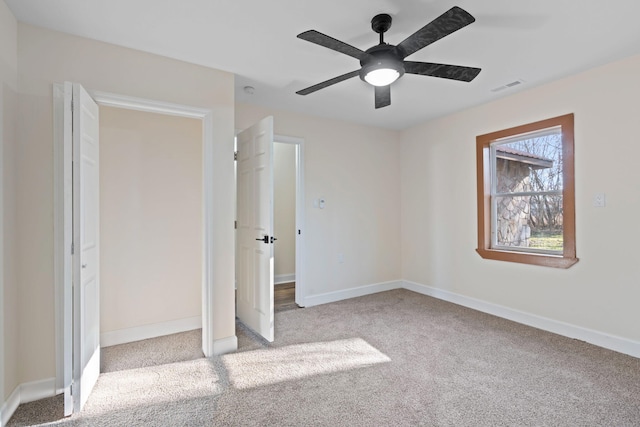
[381, 56]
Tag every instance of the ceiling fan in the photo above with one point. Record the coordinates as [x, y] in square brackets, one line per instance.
[384, 63]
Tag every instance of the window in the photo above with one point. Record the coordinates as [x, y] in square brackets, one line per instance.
[526, 207]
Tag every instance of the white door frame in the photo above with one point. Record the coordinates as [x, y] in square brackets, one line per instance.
[60, 225]
[2, 386]
[300, 291]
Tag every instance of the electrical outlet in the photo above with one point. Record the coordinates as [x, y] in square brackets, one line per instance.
[599, 200]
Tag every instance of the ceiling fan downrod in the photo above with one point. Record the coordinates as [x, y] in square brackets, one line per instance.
[380, 24]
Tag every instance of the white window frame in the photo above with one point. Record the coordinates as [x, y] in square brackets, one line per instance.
[554, 130]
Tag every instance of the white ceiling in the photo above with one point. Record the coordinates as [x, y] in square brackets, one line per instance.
[535, 41]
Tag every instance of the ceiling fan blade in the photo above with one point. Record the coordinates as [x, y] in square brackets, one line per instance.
[383, 96]
[453, 72]
[447, 23]
[316, 37]
[327, 83]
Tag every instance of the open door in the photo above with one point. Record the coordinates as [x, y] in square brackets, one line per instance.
[81, 136]
[254, 247]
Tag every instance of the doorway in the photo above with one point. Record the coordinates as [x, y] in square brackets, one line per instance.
[150, 225]
[68, 368]
[284, 218]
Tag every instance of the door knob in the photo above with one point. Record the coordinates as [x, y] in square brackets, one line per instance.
[84, 265]
[265, 239]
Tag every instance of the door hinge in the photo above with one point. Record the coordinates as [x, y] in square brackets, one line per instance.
[72, 248]
[299, 231]
[235, 225]
[235, 155]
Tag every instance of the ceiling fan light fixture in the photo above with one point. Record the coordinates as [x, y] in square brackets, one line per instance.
[381, 66]
[382, 76]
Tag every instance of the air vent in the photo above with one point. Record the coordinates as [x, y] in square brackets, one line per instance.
[508, 85]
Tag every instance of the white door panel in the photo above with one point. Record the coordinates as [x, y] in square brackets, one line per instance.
[86, 239]
[254, 256]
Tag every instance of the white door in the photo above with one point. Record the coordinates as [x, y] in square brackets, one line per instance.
[254, 250]
[86, 240]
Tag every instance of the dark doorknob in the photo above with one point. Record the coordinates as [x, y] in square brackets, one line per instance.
[267, 239]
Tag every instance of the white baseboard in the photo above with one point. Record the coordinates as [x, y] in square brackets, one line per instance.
[122, 336]
[10, 406]
[279, 279]
[343, 294]
[225, 345]
[36, 390]
[601, 339]
[25, 393]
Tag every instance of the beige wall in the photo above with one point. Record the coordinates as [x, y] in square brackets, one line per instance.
[284, 208]
[601, 291]
[9, 356]
[150, 218]
[357, 170]
[45, 57]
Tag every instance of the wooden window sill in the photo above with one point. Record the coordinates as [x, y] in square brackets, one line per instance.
[555, 261]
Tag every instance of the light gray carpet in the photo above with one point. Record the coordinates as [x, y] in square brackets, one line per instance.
[152, 352]
[168, 349]
[391, 359]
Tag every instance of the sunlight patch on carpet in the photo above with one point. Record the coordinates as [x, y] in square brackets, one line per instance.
[154, 385]
[274, 365]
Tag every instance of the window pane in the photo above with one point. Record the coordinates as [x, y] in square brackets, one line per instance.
[529, 163]
[533, 222]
